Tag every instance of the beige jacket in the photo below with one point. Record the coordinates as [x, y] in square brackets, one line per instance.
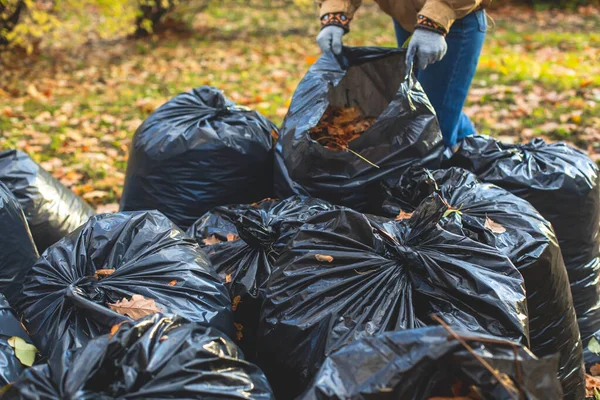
[444, 12]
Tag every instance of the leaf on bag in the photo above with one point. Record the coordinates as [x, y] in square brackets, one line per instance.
[339, 126]
[232, 237]
[103, 273]
[173, 282]
[212, 239]
[24, 351]
[274, 134]
[235, 302]
[493, 226]
[238, 331]
[228, 278]
[592, 384]
[137, 307]
[594, 346]
[403, 215]
[115, 328]
[595, 370]
[324, 258]
[450, 211]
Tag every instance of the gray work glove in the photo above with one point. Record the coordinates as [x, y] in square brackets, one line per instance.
[427, 46]
[330, 39]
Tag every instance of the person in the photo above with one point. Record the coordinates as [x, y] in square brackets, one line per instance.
[447, 37]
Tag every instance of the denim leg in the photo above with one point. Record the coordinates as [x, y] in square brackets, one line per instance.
[447, 82]
[401, 33]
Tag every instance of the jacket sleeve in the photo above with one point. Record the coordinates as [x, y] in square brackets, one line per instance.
[445, 12]
[348, 7]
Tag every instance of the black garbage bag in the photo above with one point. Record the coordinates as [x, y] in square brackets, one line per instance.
[196, 152]
[51, 209]
[345, 275]
[66, 295]
[159, 357]
[10, 328]
[491, 215]
[406, 132]
[17, 251]
[242, 242]
[563, 184]
[428, 363]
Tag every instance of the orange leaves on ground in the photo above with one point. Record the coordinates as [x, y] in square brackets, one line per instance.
[137, 307]
[403, 215]
[339, 126]
[592, 385]
[595, 370]
[236, 302]
[103, 273]
[494, 226]
[324, 258]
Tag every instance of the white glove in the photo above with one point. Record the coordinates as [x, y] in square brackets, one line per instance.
[330, 39]
[427, 46]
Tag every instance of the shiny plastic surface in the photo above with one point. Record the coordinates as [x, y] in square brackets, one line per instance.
[10, 366]
[245, 264]
[422, 363]
[384, 275]
[159, 357]
[196, 152]
[51, 209]
[563, 184]
[528, 241]
[64, 305]
[17, 250]
[405, 134]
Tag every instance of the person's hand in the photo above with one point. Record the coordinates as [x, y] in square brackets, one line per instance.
[425, 47]
[330, 39]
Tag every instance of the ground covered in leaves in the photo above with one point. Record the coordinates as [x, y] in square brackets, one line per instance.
[75, 111]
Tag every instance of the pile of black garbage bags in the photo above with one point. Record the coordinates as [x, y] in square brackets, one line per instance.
[251, 262]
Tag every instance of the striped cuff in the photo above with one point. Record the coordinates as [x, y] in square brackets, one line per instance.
[336, 19]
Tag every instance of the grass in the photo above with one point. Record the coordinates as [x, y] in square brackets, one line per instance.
[75, 111]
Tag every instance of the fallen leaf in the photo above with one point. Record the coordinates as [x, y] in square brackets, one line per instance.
[594, 346]
[403, 215]
[238, 331]
[338, 126]
[173, 282]
[228, 278]
[323, 258]
[24, 351]
[107, 208]
[310, 59]
[493, 226]
[212, 239]
[592, 384]
[275, 134]
[115, 328]
[235, 302]
[137, 307]
[95, 194]
[231, 237]
[595, 370]
[103, 273]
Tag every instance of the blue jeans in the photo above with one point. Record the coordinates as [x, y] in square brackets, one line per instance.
[447, 82]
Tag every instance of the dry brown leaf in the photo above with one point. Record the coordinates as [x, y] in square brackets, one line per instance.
[232, 237]
[228, 278]
[238, 331]
[403, 215]
[212, 239]
[235, 302]
[595, 370]
[591, 383]
[494, 226]
[137, 307]
[324, 258]
[103, 273]
[338, 126]
[173, 282]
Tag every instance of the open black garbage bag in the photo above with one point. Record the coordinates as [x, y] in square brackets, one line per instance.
[196, 152]
[247, 240]
[10, 366]
[563, 184]
[17, 251]
[159, 357]
[51, 209]
[345, 275]
[65, 298]
[491, 215]
[406, 132]
[424, 363]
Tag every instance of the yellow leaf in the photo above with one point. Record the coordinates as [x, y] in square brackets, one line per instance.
[494, 226]
[137, 307]
[24, 351]
[323, 258]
